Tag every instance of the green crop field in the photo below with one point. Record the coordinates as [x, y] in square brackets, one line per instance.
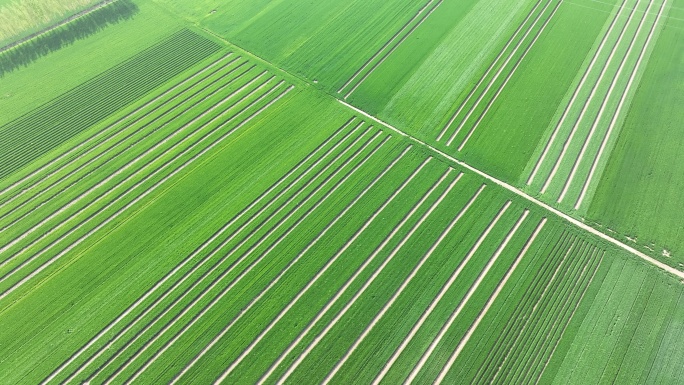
[345, 192]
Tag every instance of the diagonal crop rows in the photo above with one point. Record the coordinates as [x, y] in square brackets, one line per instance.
[386, 50]
[471, 110]
[575, 151]
[35, 245]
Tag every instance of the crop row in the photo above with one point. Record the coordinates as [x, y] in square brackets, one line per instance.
[27, 180]
[390, 46]
[30, 136]
[44, 216]
[45, 189]
[35, 242]
[133, 153]
[580, 137]
[528, 339]
[353, 143]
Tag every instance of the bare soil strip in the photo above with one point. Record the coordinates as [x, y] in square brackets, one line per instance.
[526, 196]
[402, 287]
[489, 69]
[203, 246]
[384, 57]
[508, 78]
[607, 97]
[493, 80]
[464, 301]
[372, 278]
[54, 259]
[104, 132]
[367, 63]
[349, 282]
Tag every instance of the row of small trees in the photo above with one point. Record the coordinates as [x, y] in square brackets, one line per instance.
[27, 52]
[22, 17]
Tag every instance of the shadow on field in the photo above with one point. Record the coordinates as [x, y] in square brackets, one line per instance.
[25, 53]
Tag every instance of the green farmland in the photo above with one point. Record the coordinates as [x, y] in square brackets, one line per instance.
[344, 192]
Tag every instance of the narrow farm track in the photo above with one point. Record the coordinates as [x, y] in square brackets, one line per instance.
[445, 288]
[592, 94]
[503, 84]
[403, 286]
[526, 196]
[461, 345]
[567, 168]
[500, 354]
[141, 158]
[280, 275]
[349, 282]
[99, 137]
[618, 111]
[375, 274]
[464, 301]
[575, 94]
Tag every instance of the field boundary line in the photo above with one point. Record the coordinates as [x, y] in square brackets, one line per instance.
[233, 265]
[110, 147]
[501, 345]
[526, 196]
[48, 164]
[493, 80]
[325, 268]
[389, 53]
[463, 302]
[403, 286]
[491, 300]
[319, 337]
[207, 242]
[604, 104]
[287, 268]
[552, 310]
[116, 199]
[425, 196]
[619, 109]
[494, 98]
[571, 315]
[139, 198]
[575, 94]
